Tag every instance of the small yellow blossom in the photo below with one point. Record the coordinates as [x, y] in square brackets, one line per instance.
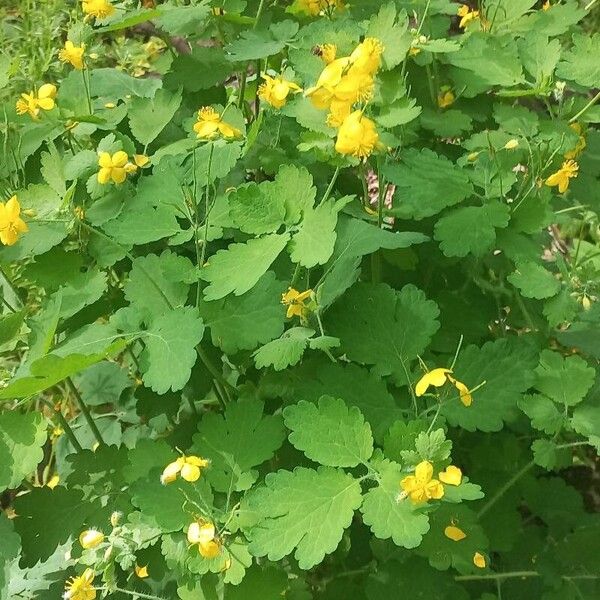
[451, 476]
[53, 481]
[32, 102]
[479, 560]
[472, 157]
[72, 54]
[203, 533]
[275, 90]
[112, 167]
[579, 146]
[189, 467]
[11, 224]
[561, 178]
[511, 144]
[141, 572]
[210, 124]
[110, 105]
[466, 15]
[316, 7]
[90, 538]
[421, 486]
[456, 534]
[437, 378]
[546, 5]
[141, 160]
[327, 52]
[81, 588]
[98, 8]
[295, 300]
[357, 136]
[445, 97]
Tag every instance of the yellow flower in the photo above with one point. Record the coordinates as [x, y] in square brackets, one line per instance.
[90, 538]
[11, 224]
[366, 57]
[97, 8]
[327, 52]
[479, 560]
[53, 481]
[546, 5]
[275, 90]
[456, 534]
[579, 146]
[511, 144]
[467, 15]
[420, 487]
[72, 54]
[445, 97]
[338, 111]
[357, 136]
[437, 378]
[81, 588]
[32, 102]
[294, 300]
[112, 167]
[203, 533]
[141, 572]
[189, 467]
[210, 124]
[561, 178]
[451, 476]
[316, 7]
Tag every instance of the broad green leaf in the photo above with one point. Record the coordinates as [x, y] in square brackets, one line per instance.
[247, 321]
[390, 517]
[425, 184]
[10, 325]
[586, 421]
[304, 511]
[170, 353]
[238, 268]
[82, 290]
[391, 342]
[183, 20]
[216, 159]
[53, 170]
[401, 438]
[148, 454]
[506, 366]
[565, 380]
[543, 413]
[580, 63]
[103, 383]
[431, 446]
[10, 547]
[539, 55]
[471, 229]
[210, 61]
[400, 112]
[236, 442]
[255, 210]
[295, 185]
[392, 30]
[534, 281]
[22, 437]
[329, 433]
[285, 351]
[149, 116]
[254, 44]
[110, 83]
[449, 123]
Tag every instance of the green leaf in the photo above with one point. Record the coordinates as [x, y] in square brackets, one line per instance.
[295, 185]
[236, 442]
[247, 321]
[210, 61]
[506, 366]
[22, 437]
[304, 510]
[539, 55]
[82, 290]
[285, 351]
[380, 326]
[565, 380]
[239, 268]
[400, 112]
[149, 116]
[471, 229]
[390, 517]
[546, 454]
[131, 18]
[254, 44]
[401, 438]
[449, 123]
[330, 433]
[10, 325]
[254, 210]
[392, 30]
[534, 281]
[103, 383]
[48, 518]
[117, 85]
[170, 352]
[543, 413]
[586, 421]
[53, 170]
[183, 20]
[426, 184]
[9, 550]
[580, 63]
[431, 446]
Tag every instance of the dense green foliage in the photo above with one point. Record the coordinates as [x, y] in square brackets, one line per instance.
[250, 342]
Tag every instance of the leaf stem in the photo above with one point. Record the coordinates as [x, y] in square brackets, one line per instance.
[591, 102]
[330, 186]
[86, 412]
[130, 593]
[65, 425]
[212, 369]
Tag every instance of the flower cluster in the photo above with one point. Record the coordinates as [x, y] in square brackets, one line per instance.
[343, 83]
[32, 103]
[190, 468]
[437, 378]
[210, 124]
[466, 15]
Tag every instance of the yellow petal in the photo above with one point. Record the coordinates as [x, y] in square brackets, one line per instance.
[119, 159]
[456, 534]
[169, 473]
[105, 160]
[424, 472]
[90, 538]
[141, 572]
[479, 560]
[463, 390]
[141, 160]
[190, 472]
[46, 103]
[451, 476]
[197, 461]
[12, 208]
[210, 549]
[118, 174]
[104, 175]
[48, 90]
[435, 377]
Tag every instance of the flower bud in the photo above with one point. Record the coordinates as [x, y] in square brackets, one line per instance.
[90, 538]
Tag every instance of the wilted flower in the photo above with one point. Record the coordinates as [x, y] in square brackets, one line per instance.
[90, 538]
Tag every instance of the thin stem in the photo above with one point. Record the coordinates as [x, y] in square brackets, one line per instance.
[594, 99]
[131, 593]
[10, 284]
[258, 13]
[88, 95]
[460, 342]
[65, 425]
[192, 405]
[86, 412]
[494, 576]
[206, 213]
[505, 488]
[8, 305]
[213, 370]
[330, 186]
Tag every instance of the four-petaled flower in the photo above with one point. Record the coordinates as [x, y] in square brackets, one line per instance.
[189, 467]
[113, 167]
[210, 123]
[203, 533]
[72, 54]
[466, 15]
[357, 136]
[11, 224]
[81, 588]
[295, 301]
[97, 8]
[561, 178]
[32, 102]
[90, 538]
[421, 486]
[275, 90]
[437, 378]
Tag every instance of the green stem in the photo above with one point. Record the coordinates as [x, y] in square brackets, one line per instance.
[213, 370]
[296, 275]
[10, 284]
[505, 488]
[131, 593]
[88, 95]
[494, 576]
[86, 412]
[206, 213]
[330, 186]
[590, 103]
[67, 428]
